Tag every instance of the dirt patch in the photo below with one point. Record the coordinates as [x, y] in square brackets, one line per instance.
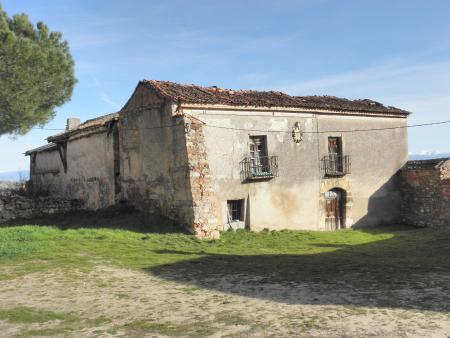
[122, 302]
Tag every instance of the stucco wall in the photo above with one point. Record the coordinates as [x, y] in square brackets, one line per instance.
[282, 202]
[154, 166]
[46, 172]
[90, 172]
[376, 157]
[294, 199]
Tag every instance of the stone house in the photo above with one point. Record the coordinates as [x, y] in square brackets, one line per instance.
[425, 186]
[213, 159]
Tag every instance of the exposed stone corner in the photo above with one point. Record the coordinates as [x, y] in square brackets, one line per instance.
[205, 224]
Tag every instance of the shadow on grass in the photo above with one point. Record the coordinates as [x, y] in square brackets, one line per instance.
[410, 270]
[125, 218]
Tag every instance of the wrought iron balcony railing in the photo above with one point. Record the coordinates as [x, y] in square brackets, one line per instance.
[335, 165]
[259, 168]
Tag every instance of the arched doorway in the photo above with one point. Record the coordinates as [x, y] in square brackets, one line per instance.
[335, 209]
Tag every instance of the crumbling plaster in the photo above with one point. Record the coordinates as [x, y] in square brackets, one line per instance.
[294, 199]
[89, 176]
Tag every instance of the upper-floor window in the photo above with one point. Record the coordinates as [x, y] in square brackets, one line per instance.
[335, 146]
[258, 154]
[258, 165]
[335, 163]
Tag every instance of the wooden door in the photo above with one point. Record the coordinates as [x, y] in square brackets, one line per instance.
[333, 210]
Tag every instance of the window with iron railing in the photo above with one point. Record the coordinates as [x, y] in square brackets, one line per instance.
[264, 168]
[335, 165]
[258, 165]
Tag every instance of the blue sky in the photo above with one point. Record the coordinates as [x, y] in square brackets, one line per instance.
[396, 52]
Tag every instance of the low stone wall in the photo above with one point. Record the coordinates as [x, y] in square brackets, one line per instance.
[425, 187]
[16, 203]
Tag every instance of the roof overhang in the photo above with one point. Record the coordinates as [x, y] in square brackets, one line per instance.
[47, 147]
[82, 131]
[183, 105]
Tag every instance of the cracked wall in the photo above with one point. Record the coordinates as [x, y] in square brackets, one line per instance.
[154, 173]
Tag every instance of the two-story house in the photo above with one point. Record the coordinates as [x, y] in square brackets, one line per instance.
[214, 159]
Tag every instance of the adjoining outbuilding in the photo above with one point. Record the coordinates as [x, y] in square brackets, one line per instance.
[79, 162]
[425, 187]
[213, 159]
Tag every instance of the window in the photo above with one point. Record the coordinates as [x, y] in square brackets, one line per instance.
[335, 146]
[235, 212]
[258, 165]
[258, 147]
[258, 155]
[335, 164]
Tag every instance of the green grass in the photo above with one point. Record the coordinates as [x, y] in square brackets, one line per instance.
[60, 323]
[28, 315]
[200, 329]
[386, 257]
[24, 249]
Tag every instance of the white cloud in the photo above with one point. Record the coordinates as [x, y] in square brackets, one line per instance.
[103, 96]
[394, 73]
[422, 88]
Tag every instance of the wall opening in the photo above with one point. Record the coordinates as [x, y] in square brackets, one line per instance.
[335, 205]
[116, 156]
[235, 210]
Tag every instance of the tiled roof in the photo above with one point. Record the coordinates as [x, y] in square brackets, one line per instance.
[425, 164]
[218, 96]
[87, 125]
[46, 147]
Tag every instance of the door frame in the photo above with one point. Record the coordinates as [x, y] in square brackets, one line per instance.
[335, 209]
[347, 204]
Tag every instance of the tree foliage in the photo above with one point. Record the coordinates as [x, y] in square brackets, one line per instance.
[36, 73]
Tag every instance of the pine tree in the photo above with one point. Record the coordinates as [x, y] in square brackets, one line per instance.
[36, 73]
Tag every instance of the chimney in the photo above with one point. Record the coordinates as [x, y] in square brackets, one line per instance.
[72, 123]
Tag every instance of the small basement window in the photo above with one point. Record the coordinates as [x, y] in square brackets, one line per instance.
[235, 210]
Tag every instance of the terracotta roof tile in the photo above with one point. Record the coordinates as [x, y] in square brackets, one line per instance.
[219, 96]
[47, 147]
[87, 125]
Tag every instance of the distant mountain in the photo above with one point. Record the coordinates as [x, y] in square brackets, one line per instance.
[21, 175]
[428, 156]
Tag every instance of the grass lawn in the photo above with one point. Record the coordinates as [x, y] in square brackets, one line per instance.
[350, 271]
[32, 248]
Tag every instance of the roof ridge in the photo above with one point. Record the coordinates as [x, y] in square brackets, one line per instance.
[99, 117]
[215, 95]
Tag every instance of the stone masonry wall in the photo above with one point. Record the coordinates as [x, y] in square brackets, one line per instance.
[205, 223]
[15, 204]
[425, 187]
